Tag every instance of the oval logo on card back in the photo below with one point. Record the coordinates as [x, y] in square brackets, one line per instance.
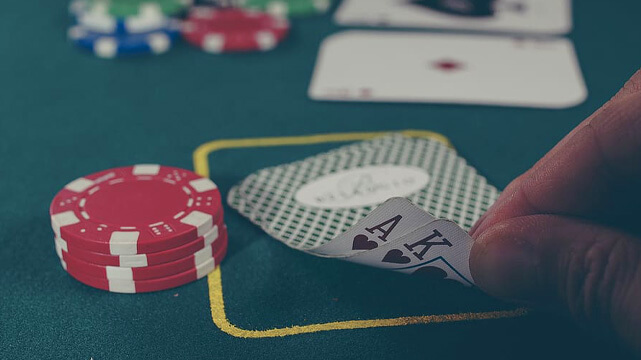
[362, 186]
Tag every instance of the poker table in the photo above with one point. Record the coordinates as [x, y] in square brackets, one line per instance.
[65, 113]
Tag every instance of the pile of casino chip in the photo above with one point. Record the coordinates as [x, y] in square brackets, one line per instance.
[139, 228]
[113, 28]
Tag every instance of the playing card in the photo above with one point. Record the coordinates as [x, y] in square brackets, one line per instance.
[513, 16]
[357, 178]
[328, 204]
[391, 220]
[439, 244]
[374, 66]
[399, 236]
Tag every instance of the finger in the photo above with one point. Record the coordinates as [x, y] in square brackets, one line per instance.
[591, 271]
[632, 86]
[580, 175]
[498, 211]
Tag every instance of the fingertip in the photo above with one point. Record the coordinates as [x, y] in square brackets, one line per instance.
[503, 263]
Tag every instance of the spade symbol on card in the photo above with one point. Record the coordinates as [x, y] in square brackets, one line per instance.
[362, 242]
[396, 256]
[432, 274]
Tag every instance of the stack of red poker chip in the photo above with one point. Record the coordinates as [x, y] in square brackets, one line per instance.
[139, 228]
[218, 30]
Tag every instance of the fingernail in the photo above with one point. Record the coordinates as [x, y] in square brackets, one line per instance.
[505, 268]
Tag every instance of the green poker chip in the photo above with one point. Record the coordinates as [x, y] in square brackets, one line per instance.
[288, 8]
[125, 8]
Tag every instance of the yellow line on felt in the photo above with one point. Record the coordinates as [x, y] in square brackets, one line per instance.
[220, 318]
[214, 279]
[201, 154]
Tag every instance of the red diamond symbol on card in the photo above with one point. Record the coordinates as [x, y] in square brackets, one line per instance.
[447, 65]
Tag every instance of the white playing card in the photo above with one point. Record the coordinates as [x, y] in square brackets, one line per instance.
[425, 171]
[391, 220]
[513, 16]
[374, 66]
[328, 204]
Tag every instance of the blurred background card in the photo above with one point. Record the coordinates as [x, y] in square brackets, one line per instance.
[512, 16]
[377, 66]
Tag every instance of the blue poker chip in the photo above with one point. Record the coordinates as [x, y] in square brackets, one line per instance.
[113, 45]
[95, 17]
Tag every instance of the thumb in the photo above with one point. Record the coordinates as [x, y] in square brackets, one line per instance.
[589, 271]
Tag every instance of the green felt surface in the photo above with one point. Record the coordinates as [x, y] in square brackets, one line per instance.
[64, 113]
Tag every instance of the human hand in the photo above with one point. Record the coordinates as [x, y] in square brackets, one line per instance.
[566, 233]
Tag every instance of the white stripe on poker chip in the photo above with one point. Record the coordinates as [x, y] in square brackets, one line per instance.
[150, 8]
[98, 19]
[146, 169]
[122, 286]
[278, 8]
[159, 42]
[106, 47]
[266, 40]
[64, 264]
[79, 185]
[202, 185]
[201, 221]
[138, 25]
[58, 248]
[148, 19]
[124, 242]
[211, 236]
[62, 244]
[122, 273]
[138, 260]
[63, 219]
[202, 255]
[205, 268]
[214, 43]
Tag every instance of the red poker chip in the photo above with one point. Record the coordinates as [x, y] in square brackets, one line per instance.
[135, 209]
[142, 260]
[157, 284]
[233, 29]
[144, 273]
